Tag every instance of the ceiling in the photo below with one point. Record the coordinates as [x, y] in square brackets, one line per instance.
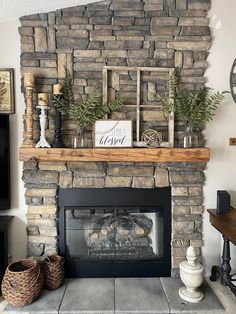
[13, 9]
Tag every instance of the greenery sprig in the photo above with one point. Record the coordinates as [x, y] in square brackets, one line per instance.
[88, 111]
[168, 102]
[197, 107]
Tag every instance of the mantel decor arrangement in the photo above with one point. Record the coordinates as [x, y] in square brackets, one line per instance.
[196, 108]
[86, 112]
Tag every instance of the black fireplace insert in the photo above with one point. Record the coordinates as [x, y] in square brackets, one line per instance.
[115, 232]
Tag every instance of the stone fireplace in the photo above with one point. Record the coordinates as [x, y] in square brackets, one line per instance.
[43, 179]
[84, 39]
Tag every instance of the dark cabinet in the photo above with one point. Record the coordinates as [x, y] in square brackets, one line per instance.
[4, 223]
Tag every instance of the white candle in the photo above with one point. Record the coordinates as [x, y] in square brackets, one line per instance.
[57, 89]
[42, 99]
[28, 79]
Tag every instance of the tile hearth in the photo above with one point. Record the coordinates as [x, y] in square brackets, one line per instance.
[121, 296]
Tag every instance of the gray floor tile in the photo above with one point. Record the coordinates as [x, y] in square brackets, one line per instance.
[209, 304]
[89, 296]
[13, 310]
[48, 303]
[140, 295]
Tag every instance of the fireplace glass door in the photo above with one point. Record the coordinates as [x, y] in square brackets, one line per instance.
[114, 234]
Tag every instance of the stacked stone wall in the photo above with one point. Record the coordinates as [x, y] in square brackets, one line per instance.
[84, 39]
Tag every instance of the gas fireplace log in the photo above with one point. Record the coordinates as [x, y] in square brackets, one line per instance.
[118, 230]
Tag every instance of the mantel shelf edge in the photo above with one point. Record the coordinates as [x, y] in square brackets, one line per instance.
[116, 154]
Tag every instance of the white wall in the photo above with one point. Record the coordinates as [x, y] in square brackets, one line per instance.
[14, 8]
[221, 170]
[10, 58]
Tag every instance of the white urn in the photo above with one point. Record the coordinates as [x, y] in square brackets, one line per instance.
[191, 274]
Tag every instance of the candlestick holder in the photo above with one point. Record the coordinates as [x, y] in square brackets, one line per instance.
[57, 142]
[28, 128]
[43, 119]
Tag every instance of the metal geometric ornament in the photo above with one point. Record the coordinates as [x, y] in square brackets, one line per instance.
[151, 138]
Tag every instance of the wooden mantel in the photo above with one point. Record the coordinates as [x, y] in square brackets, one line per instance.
[116, 154]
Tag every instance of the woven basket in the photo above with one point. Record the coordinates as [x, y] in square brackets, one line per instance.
[53, 271]
[22, 282]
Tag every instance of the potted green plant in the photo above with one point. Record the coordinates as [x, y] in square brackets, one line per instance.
[86, 112]
[197, 108]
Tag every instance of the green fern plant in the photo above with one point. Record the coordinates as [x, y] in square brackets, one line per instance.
[197, 108]
[88, 111]
[168, 102]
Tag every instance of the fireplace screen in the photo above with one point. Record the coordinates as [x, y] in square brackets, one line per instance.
[115, 232]
[119, 234]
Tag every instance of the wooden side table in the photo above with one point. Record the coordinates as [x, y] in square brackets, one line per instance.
[226, 225]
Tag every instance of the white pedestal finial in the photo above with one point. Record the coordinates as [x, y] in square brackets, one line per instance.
[191, 274]
[42, 142]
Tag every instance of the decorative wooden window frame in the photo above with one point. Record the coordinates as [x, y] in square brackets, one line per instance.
[138, 70]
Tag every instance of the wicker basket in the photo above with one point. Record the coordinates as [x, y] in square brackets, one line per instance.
[53, 270]
[22, 282]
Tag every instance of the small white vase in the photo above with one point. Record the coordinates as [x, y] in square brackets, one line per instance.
[191, 274]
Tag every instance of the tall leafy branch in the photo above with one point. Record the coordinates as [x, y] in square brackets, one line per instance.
[197, 107]
[168, 101]
[88, 111]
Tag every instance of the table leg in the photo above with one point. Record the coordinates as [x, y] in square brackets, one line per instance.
[225, 268]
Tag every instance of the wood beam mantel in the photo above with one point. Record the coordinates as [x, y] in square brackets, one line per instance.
[116, 154]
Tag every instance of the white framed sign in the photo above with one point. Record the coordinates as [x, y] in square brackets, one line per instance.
[113, 133]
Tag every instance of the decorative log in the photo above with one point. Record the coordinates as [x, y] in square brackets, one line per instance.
[117, 154]
[118, 232]
[140, 231]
